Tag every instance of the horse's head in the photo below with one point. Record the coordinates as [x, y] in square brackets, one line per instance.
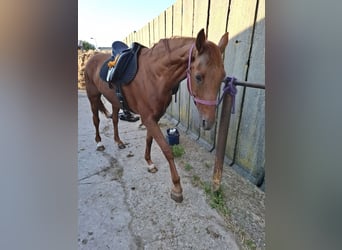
[206, 75]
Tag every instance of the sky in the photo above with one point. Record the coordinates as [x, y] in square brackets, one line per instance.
[106, 21]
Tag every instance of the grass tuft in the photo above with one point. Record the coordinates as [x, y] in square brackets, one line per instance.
[216, 199]
[177, 150]
[187, 167]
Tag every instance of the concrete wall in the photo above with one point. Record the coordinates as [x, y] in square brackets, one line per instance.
[244, 59]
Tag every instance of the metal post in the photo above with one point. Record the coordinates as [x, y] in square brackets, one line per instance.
[222, 140]
[250, 84]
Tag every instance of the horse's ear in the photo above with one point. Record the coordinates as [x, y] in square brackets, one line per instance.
[200, 40]
[223, 42]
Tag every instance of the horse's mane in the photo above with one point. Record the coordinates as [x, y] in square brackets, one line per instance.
[165, 42]
[215, 54]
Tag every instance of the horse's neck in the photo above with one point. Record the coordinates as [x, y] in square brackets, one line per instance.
[171, 57]
[179, 52]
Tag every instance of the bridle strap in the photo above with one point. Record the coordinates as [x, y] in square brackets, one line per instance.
[228, 88]
[188, 78]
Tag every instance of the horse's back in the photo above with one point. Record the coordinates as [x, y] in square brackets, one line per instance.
[95, 62]
[92, 69]
[95, 86]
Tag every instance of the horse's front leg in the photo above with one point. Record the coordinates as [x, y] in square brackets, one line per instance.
[151, 167]
[154, 131]
[115, 118]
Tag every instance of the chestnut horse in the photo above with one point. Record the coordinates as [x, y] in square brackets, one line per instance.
[160, 70]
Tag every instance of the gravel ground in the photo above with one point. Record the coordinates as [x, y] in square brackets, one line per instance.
[122, 206]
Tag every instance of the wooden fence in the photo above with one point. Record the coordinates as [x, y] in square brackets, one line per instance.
[244, 59]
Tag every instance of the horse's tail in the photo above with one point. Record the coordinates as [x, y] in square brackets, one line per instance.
[86, 76]
[90, 86]
[103, 109]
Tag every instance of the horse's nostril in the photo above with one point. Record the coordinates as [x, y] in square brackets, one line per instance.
[203, 123]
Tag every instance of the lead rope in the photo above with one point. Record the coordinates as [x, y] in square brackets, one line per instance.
[230, 88]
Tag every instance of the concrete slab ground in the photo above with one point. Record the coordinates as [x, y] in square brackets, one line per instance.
[123, 206]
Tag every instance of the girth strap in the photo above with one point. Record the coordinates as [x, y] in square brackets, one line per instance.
[122, 100]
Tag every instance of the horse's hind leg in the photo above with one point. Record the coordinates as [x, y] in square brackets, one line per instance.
[94, 103]
[117, 139]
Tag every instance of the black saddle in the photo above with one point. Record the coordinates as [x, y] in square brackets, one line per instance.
[122, 66]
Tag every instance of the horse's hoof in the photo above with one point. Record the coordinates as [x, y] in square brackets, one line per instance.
[100, 147]
[152, 168]
[177, 197]
[121, 146]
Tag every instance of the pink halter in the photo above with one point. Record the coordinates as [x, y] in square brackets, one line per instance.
[188, 78]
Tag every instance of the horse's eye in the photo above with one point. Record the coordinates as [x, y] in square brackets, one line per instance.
[198, 78]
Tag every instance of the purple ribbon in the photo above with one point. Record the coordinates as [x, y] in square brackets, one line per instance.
[229, 87]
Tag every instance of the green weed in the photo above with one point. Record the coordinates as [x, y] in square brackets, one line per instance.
[216, 199]
[177, 150]
[250, 244]
[187, 167]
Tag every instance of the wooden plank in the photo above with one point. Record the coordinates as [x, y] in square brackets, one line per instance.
[251, 140]
[200, 16]
[161, 20]
[169, 14]
[177, 18]
[187, 20]
[177, 31]
[217, 20]
[134, 38]
[145, 40]
[240, 26]
[156, 30]
[187, 24]
[257, 61]
[139, 36]
[130, 38]
[151, 33]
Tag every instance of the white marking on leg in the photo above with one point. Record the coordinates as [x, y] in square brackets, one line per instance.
[152, 168]
[100, 146]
